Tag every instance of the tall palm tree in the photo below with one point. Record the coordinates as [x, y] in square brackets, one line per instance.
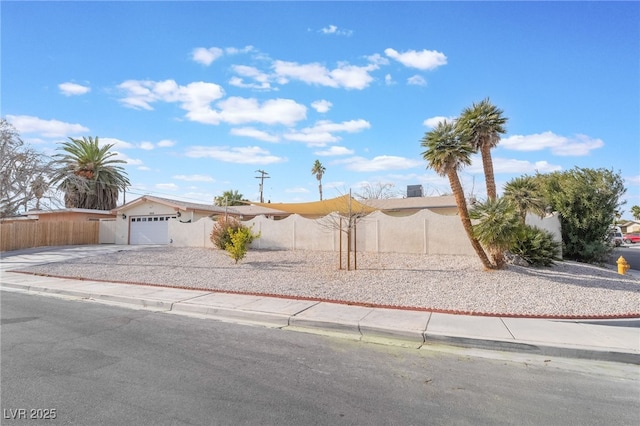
[448, 150]
[485, 123]
[318, 169]
[89, 174]
[230, 198]
[525, 194]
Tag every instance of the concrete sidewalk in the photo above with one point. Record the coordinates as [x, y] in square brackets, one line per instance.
[606, 340]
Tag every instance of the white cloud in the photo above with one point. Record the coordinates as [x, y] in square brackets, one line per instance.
[380, 163]
[194, 178]
[71, 89]
[388, 80]
[46, 128]
[321, 106]
[167, 186]
[344, 76]
[128, 161]
[251, 132]
[239, 155]
[166, 143]
[334, 151]
[579, 145]
[332, 29]
[261, 79]
[422, 60]
[144, 168]
[147, 146]
[513, 166]
[195, 97]
[117, 143]
[432, 122]
[378, 59]
[235, 50]
[236, 110]
[633, 180]
[322, 131]
[416, 80]
[206, 56]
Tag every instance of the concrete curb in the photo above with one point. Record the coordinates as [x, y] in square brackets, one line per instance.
[403, 328]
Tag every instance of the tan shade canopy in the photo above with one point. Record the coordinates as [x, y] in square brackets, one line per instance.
[342, 205]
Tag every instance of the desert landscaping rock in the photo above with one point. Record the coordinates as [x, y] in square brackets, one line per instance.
[451, 283]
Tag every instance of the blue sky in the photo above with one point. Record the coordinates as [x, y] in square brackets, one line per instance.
[198, 96]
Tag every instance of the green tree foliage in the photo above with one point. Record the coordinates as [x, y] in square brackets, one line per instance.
[587, 201]
[635, 211]
[318, 170]
[497, 227]
[536, 246]
[230, 198]
[447, 150]
[223, 229]
[89, 174]
[526, 196]
[484, 122]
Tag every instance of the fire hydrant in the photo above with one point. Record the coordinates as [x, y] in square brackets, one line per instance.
[623, 265]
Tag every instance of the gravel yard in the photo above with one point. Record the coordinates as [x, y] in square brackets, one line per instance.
[451, 283]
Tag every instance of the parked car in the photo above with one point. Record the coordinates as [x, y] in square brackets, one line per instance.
[632, 238]
[616, 238]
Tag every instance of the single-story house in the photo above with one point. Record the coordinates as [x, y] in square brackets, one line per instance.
[145, 219]
[629, 227]
[70, 214]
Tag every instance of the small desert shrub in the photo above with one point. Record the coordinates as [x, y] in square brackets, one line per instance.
[221, 233]
[240, 239]
[536, 246]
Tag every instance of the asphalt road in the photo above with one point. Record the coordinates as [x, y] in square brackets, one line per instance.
[96, 364]
[630, 252]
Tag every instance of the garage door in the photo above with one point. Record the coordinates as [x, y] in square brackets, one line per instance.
[149, 230]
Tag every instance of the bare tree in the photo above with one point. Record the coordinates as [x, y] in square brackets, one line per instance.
[24, 175]
[344, 217]
[377, 191]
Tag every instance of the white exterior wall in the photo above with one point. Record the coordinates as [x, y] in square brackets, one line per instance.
[423, 233]
[107, 231]
[147, 208]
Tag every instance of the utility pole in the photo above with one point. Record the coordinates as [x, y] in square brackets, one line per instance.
[263, 175]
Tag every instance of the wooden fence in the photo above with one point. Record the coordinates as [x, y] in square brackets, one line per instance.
[17, 235]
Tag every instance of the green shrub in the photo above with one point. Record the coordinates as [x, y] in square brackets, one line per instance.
[240, 239]
[221, 234]
[536, 246]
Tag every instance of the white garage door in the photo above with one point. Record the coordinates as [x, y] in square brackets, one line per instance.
[149, 230]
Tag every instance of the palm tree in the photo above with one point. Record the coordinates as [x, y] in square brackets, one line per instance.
[497, 227]
[230, 198]
[485, 123]
[635, 211]
[448, 150]
[318, 169]
[39, 186]
[89, 175]
[524, 193]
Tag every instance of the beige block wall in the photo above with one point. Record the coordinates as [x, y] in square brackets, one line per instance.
[422, 233]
